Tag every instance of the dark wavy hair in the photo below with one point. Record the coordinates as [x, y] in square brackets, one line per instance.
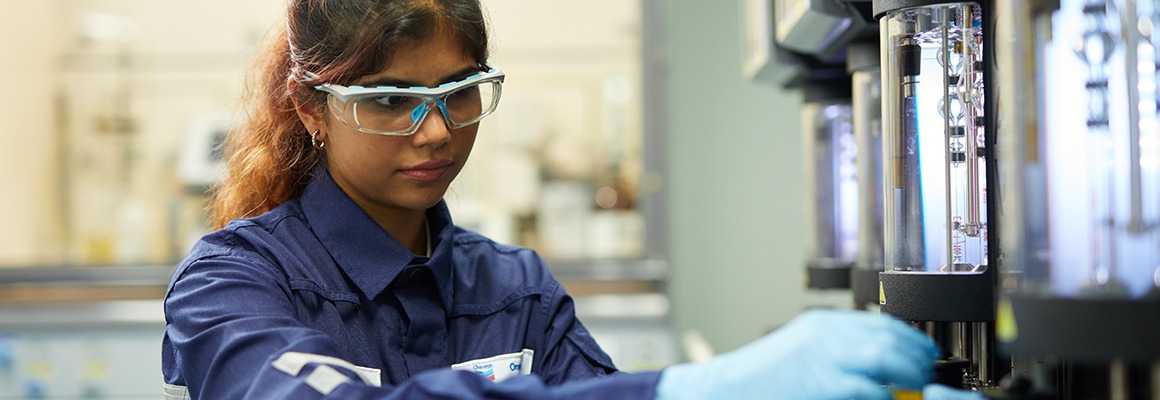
[269, 155]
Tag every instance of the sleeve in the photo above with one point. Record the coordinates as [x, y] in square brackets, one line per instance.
[233, 334]
[572, 352]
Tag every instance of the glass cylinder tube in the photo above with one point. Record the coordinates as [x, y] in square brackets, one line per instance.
[831, 183]
[867, 122]
[1085, 145]
[1022, 157]
[935, 185]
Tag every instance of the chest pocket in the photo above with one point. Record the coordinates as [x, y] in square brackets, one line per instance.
[522, 308]
[500, 367]
[487, 309]
[311, 294]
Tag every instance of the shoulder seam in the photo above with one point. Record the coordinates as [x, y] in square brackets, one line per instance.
[249, 223]
[276, 222]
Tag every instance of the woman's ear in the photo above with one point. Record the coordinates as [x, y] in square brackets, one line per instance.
[311, 117]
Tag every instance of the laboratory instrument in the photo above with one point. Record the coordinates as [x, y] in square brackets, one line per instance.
[1080, 160]
[937, 128]
[831, 182]
[863, 64]
[819, 28]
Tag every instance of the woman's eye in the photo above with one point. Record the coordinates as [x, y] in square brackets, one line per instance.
[466, 92]
[390, 101]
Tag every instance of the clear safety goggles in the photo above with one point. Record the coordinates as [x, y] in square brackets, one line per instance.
[388, 110]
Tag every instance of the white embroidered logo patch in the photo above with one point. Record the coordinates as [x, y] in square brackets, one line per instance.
[500, 367]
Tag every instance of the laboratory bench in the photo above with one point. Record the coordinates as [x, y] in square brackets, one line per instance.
[94, 332]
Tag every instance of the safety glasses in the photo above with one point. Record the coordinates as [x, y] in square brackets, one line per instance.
[388, 110]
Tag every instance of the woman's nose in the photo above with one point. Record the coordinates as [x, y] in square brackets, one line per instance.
[433, 130]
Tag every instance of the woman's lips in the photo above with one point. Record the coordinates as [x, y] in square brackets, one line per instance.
[428, 170]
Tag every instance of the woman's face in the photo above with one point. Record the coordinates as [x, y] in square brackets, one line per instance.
[390, 174]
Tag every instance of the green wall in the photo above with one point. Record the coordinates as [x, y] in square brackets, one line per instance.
[735, 186]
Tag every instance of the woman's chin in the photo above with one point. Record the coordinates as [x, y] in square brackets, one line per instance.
[421, 200]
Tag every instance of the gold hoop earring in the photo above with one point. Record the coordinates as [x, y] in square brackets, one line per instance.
[318, 144]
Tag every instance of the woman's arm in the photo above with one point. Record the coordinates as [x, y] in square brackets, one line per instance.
[571, 352]
[232, 334]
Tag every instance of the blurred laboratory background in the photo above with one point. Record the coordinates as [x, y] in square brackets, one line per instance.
[662, 184]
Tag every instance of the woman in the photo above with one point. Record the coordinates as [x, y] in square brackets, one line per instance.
[337, 272]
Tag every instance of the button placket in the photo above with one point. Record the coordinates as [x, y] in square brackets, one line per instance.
[426, 337]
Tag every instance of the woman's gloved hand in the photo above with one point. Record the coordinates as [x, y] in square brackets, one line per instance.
[940, 392]
[821, 354]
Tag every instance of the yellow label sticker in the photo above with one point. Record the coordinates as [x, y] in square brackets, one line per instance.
[881, 294]
[1005, 328]
[903, 394]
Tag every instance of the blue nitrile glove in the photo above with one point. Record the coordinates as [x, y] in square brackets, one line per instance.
[940, 392]
[821, 354]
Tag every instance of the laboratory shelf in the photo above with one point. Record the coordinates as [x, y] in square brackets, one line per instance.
[83, 284]
[111, 283]
[587, 270]
[101, 275]
[609, 270]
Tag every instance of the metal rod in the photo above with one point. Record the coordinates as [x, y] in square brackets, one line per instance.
[973, 223]
[1099, 136]
[1118, 379]
[960, 329]
[1156, 380]
[905, 89]
[983, 353]
[1131, 35]
[946, 112]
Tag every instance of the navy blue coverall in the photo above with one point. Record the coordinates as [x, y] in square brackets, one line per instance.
[314, 300]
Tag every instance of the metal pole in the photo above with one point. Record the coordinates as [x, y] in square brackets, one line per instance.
[1118, 379]
[1131, 35]
[946, 112]
[973, 225]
